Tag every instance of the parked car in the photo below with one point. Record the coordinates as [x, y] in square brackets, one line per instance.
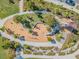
[70, 2]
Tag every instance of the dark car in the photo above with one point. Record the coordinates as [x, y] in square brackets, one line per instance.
[70, 2]
[56, 28]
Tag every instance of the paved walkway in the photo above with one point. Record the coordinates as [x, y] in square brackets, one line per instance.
[21, 5]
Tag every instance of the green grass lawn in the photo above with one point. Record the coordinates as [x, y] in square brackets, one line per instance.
[7, 8]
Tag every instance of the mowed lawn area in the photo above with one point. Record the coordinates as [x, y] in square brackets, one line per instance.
[7, 8]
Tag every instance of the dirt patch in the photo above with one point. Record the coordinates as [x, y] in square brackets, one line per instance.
[17, 28]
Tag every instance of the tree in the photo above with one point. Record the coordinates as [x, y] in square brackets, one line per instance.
[11, 1]
[3, 28]
[6, 44]
[26, 46]
[16, 35]
[18, 18]
[16, 45]
[49, 39]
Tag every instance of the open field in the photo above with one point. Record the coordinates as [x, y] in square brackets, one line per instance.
[7, 8]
